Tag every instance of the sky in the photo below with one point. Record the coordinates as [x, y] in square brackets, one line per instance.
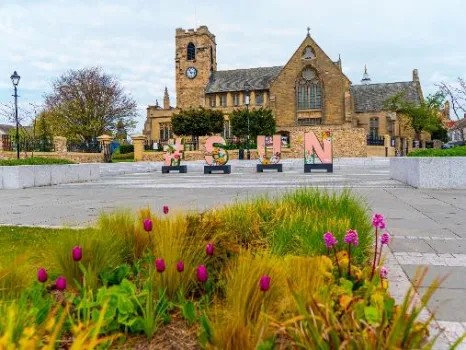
[135, 39]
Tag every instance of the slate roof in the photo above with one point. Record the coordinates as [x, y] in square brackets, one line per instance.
[5, 128]
[234, 80]
[370, 98]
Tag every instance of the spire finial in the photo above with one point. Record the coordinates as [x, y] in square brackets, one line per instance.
[308, 31]
[366, 80]
[156, 103]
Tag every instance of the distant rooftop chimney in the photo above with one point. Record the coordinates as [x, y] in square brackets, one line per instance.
[415, 75]
[366, 80]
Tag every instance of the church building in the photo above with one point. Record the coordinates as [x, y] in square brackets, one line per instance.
[310, 90]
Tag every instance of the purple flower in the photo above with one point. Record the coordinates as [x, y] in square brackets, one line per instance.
[165, 209]
[42, 275]
[352, 237]
[60, 283]
[77, 253]
[180, 266]
[202, 273]
[378, 221]
[330, 240]
[148, 225]
[264, 283]
[209, 249]
[385, 238]
[383, 272]
[160, 265]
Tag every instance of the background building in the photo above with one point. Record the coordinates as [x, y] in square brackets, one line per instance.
[309, 90]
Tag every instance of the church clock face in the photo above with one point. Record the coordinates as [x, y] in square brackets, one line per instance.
[191, 72]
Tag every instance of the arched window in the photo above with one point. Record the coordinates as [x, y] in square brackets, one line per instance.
[191, 52]
[309, 53]
[309, 91]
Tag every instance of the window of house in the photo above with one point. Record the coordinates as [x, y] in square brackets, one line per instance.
[191, 52]
[236, 99]
[309, 91]
[165, 132]
[309, 121]
[259, 98]
[374, 128]
[223, 100]
[226, 129]
[212, 101]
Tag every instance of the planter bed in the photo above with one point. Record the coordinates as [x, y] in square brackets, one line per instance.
[430, 172]
[24, 176]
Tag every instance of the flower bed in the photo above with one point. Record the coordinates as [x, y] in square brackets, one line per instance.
[296, 272]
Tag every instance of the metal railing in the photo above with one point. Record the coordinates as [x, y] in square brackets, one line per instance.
[375, 141]
[83, 146]
[27, 144]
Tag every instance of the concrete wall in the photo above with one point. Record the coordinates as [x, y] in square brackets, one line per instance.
[24, 176]
[430, 172]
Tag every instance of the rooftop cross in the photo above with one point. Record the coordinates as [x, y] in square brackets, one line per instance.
[308, 31]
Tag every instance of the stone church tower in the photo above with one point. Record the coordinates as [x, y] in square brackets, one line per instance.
[196, 58]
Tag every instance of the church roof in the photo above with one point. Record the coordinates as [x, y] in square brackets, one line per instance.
[234, 80]
[371, 97]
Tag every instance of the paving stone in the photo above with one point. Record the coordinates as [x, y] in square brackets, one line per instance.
[403, 245]
[455, 275]
[448, 304]
[457, 246]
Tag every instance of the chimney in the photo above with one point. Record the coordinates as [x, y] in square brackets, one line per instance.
[415, 75]
[446, 110]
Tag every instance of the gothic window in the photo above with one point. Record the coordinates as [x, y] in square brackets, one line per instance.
[309, 53]
[374, 128]
[236, 99]
[191, 52]
[259, 98]
[309, 91]
[165, 132]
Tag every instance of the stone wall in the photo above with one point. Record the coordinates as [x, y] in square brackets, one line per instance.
[379, 151]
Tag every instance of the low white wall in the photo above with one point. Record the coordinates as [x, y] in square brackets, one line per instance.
[430, 172]
[24, 176]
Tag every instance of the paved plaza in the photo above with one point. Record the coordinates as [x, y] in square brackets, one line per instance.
[428, 225]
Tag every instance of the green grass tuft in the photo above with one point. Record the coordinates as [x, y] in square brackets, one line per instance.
[34, 161]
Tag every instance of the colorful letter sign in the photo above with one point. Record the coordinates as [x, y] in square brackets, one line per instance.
[215, 155]
[173, 152]
[312, 148]
[262, 149]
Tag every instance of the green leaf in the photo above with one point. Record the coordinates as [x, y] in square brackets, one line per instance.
[347, 286]
[189, 312]
[125, 305]
[373, 315]
[389, 305]
[127, 287]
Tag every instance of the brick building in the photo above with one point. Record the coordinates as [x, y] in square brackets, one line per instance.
[310, 90]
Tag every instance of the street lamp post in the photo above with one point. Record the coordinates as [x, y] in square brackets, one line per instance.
[247, 91]
[15, 80]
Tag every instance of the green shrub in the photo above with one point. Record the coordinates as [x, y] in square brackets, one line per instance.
[34, 161]
[126, 149]
[435, 152]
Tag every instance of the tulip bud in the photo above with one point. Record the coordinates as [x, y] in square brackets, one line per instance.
[61, 283]
[42, 275]
[202, 273]
[180, 266]
[148, 225]
[165, 209]
[264, 283]
[160, 265]
[209, 249]
[77, 253]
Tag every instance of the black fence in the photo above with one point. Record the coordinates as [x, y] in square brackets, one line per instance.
[375, 141]
[84, 146]
[27, 144]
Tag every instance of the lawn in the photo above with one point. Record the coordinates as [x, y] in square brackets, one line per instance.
[252, 275]
[34, 161]
[451, 152]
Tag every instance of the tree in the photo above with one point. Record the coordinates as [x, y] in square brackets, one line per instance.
[261, 122]
[198, 122]
[423, 116]
[121, 132]
[86, 103]
[457, 95]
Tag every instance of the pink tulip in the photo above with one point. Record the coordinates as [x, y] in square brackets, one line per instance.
[165, 209]
[180, 266]
[61, 283]
[148, 225]
[264, 283]
[77, 253]
[209, 249]
[202, 273]
[42, 275]
[160, 265]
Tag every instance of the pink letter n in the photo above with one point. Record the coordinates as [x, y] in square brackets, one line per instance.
[312, 144]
